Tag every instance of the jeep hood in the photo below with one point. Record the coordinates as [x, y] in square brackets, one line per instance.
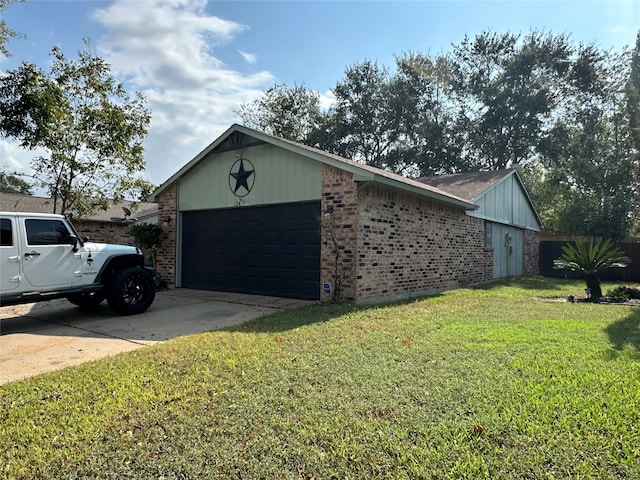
[109, 248]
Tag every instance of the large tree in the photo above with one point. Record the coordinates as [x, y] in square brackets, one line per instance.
[368, 121]
[91, 129]
[433, 141]
[585, 171]
[393, 121]
[505, 89]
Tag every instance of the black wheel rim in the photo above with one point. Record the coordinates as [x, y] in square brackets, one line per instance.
[134, 290]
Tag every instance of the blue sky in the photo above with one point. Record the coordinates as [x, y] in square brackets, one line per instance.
[197, 61]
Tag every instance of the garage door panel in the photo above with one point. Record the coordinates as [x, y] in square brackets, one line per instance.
[269, 250]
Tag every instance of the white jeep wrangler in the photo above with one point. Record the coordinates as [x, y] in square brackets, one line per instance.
[42, 257]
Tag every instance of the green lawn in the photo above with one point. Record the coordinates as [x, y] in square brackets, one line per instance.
[503, 381]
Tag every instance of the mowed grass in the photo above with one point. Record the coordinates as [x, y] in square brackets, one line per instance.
[503, 381]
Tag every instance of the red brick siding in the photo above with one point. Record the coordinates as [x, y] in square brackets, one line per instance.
[531, 252]
[167, 251]
[409, 245]
[104, 232]
[340, 196]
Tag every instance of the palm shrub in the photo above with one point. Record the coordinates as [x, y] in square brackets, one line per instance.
[590, 259]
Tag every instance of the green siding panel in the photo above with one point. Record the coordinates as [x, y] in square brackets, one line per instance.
[279, 176]
[507, 203]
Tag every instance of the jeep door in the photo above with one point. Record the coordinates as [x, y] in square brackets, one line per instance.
[9, 255]
[48, 259]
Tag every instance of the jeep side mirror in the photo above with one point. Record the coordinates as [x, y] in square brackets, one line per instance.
[73, 240]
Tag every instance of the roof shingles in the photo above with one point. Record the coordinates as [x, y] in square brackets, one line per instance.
[466, 185]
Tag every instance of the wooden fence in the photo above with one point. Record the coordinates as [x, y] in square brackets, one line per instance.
[552, 249]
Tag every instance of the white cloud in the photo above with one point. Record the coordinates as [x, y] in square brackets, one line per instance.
[327, 99]
[249, 57]
[167, 51]
[16, 159]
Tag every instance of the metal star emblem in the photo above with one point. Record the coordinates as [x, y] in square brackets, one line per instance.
[243, 177]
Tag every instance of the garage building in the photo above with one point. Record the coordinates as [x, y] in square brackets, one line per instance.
[253, 213]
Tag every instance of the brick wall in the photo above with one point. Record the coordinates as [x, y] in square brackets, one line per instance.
[104, 232]
[167, 251]
[409, 245]
[339, 207]
[531, 252]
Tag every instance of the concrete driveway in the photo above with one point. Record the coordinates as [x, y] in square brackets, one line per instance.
[42, 337]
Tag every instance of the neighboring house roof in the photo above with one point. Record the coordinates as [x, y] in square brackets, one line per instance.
[361, 172]
[11, 202]
[473, 185]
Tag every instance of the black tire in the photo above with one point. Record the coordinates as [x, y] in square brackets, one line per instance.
[89, 300]
[132, 291]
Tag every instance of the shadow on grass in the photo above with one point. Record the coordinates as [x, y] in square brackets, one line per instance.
[300, 317]
[535, 282]
[296, 318]
[625, 332]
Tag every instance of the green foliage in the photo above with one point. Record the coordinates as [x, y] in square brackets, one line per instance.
[291, 113]
[148, 236]
[590, 259]
[618, 294]
[90, 127]
[368, 118]
[590, 159]
[467, 384]
[506, 89]
[14, 184]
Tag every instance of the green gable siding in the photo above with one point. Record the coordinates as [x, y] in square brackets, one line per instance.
[506, 202]
[280, 176]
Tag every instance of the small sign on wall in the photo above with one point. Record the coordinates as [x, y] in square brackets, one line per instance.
[326, 288]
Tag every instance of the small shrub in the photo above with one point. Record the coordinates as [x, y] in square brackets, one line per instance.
[148, 237]
[618, 294]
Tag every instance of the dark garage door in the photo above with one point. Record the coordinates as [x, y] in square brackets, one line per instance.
[271, 250]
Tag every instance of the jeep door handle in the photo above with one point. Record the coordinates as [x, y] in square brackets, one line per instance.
[31, 254]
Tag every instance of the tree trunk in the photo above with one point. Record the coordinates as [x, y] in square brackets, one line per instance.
[593, 284]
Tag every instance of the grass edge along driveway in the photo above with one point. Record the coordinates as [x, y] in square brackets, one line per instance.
[503, 381]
